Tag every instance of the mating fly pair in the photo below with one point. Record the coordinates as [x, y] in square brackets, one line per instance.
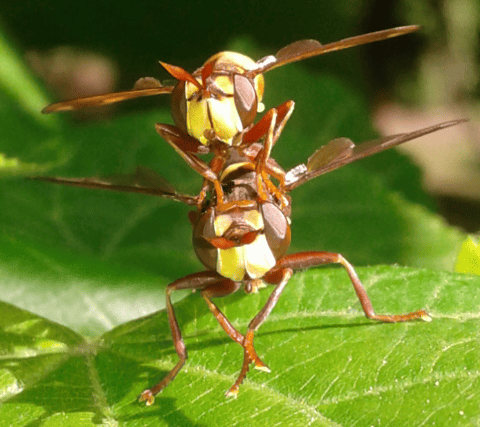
[241, 220]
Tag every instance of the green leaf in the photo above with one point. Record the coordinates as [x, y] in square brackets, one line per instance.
[469, 258]
[330, 366]
[17, 81]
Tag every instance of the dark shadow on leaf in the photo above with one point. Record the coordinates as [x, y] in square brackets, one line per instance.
[120, 375]
[164, 409]
[215, 342]
[61, 390]
[320, 327]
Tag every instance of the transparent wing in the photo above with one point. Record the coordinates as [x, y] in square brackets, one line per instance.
[342, 151]
[143, 180]
[304, 49]
[146, 86]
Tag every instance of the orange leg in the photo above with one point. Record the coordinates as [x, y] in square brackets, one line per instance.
[260, 129]
[280, 275]
[304, 260]
[280, 278]
[185, 145]
[276, 120]
[221, 289]
[192, 281]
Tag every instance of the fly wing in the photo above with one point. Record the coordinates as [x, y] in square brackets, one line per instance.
[143, 180]
[304, 49]
[342, 151]
[146, 86]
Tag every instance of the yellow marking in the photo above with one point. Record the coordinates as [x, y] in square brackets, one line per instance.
[225, 119]
[234, 167]
[256, 285]
[233, 392]
[258, 257]
[225, 84]
[263, 368]
[231, 263]
[259, 82]
[254, 219]
[223, 113]
[190, 89]
[221, 224]
[197, 120]
[254, 259]
[238, 60]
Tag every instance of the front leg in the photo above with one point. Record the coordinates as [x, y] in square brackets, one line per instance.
[270, 126]
[221, 289]
[304, 260]
[192, 281]
[188, 147]
[259, 130]
[279, 278]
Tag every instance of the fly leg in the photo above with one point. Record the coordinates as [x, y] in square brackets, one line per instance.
[186, 146]
[260, 129]
[192, 281]
[271, 126]
[280, 278]
[303, 260]
[221, 289]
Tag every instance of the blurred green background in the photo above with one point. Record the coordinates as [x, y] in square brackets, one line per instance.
[433, 73]
[136, 35]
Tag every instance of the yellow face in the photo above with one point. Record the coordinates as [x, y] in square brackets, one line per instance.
[253, 259]
[225, 104]
[241, 243]
[213, 113]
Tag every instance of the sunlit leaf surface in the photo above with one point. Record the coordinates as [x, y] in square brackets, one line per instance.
[329, 364]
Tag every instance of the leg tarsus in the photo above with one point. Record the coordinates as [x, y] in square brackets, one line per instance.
[148, 395]
[250, 356]
[394, 318]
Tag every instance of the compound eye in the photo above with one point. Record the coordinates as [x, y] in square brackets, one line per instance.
[203, 229]
[179, 106]
[277, 229]
[246, 101]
